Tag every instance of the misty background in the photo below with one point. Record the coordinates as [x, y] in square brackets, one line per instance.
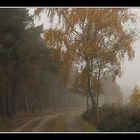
[43, 88]
[130, 69]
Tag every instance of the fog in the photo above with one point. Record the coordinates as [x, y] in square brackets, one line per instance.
[43, 89]
[130, 69]
[131, 72]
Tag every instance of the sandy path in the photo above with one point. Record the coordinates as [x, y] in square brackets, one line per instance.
[71, 124]
[36, 124]
[45, 123]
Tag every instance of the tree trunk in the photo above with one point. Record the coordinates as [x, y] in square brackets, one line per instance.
[8, 100]
[89, 91]
[93, 106]
[26, 102]
[8, 106]
[13, 100]
[87, 103]
[97, 108]
[3, 107]
[33, 104]
[39, 104]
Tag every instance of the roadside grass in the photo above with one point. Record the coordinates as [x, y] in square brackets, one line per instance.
[85, 125]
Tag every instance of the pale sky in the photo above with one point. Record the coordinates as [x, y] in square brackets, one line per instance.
[131, 69]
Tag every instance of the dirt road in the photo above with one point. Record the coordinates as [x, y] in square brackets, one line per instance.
[51, 123]
[71, 124]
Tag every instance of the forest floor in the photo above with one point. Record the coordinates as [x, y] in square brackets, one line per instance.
[69, 121]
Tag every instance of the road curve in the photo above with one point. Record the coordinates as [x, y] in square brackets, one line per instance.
[41, 124]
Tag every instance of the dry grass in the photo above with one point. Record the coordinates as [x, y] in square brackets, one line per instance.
[85, 125]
